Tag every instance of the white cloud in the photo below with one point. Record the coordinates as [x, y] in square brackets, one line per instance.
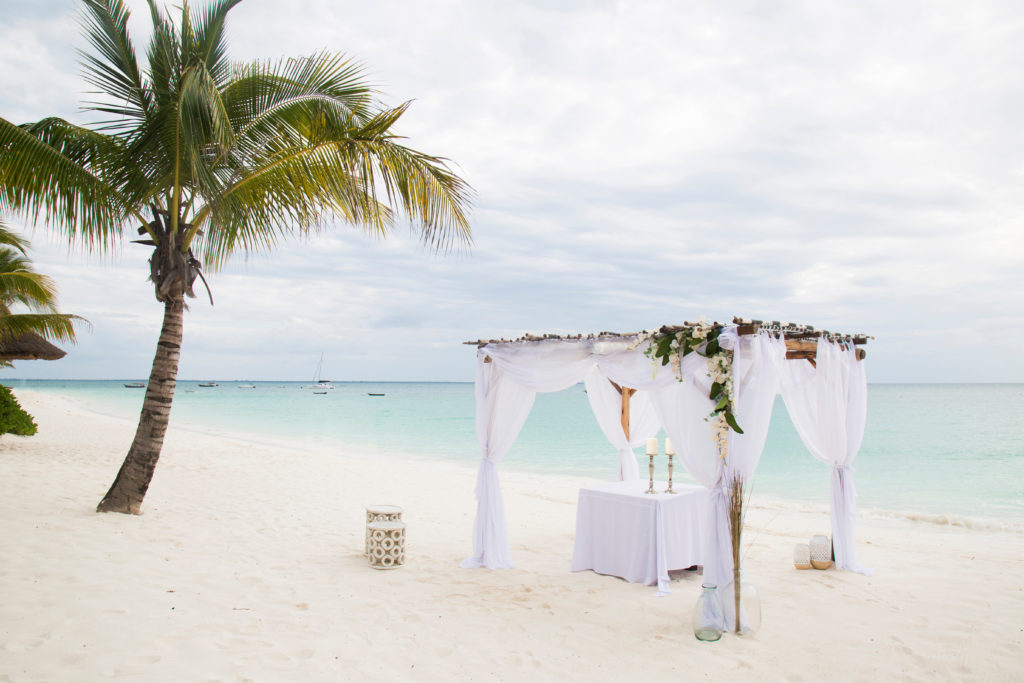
[856, 166]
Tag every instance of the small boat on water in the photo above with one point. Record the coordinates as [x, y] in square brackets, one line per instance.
[135, 385]
[320, 385]
[246, 386]
[371, 394]
[208, 384]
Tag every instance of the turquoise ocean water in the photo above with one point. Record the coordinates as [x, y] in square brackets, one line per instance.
[951, 453]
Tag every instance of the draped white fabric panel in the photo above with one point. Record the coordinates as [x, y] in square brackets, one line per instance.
[828, 406]
[542, 366]
[756, 379]
[606, 402]
[683, 407]
[761, 362]
[506, 386]
[502, 406]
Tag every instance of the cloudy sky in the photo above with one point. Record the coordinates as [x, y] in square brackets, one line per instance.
[857, 166]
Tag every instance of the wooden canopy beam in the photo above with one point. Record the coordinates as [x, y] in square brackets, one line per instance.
[808, 348]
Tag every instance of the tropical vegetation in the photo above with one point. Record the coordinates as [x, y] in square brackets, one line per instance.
[204, 159]
[13, 418]
[23, 289]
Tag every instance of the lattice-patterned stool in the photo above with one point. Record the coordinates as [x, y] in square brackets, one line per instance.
[821, 551]
[802, 556]
[380, 513]
[387, 544]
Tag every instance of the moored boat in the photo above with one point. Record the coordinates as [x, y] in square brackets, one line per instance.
[320, 385]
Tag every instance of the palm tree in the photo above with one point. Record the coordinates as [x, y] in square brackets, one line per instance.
[20, 285]
[207, 159]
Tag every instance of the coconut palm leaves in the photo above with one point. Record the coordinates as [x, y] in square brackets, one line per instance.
[21, 286]
[202, 158]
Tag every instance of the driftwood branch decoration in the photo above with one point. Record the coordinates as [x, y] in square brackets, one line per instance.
[801, 340]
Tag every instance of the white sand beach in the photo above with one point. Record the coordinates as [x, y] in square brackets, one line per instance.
[247, 565]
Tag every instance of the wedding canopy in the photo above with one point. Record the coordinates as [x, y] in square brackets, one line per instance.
[818, 373]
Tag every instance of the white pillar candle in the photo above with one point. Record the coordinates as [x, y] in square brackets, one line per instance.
[668, 447]
[652, 446]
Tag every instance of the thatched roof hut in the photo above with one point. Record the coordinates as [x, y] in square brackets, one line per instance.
[29, 346]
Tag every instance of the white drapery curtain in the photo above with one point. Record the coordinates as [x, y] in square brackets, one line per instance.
[508, 378]
[682, 409]
[502, 406]
[828, 406]
[606, 402]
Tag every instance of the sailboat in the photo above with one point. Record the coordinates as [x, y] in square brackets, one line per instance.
[320, 385]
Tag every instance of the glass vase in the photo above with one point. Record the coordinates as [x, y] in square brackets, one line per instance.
[708, 615]
[750, 608]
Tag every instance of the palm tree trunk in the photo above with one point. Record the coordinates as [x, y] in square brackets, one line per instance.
[132, 482]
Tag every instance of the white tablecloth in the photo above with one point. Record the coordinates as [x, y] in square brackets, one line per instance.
[624, 532]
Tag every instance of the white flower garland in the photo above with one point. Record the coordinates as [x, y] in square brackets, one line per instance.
[671, 345]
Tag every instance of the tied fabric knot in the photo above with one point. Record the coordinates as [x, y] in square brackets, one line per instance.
[729, 339]
[844, 474]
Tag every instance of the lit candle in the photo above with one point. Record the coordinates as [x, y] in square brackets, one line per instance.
[652, 446]
[668, 447]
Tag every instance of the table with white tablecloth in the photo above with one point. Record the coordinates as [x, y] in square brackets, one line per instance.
[622, 531]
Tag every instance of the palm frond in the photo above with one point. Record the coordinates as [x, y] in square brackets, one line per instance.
[113, 67]
[265, 99]
[54, 170]
[162, 56]
[205, 125]
[10, 239]
[20, 284]
[211, 47]
[422, 185]
[51, 326]
[312, 171]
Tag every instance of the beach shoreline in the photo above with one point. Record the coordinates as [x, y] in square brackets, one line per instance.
[247, 565]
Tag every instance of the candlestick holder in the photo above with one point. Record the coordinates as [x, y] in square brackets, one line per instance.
[669, 489]
[650, 469]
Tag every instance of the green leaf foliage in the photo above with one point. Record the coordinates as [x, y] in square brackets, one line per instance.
[13, 418]
[716, 391]
[687, 342]
[731, 419]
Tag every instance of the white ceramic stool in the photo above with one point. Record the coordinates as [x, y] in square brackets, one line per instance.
[387, 544]
[380, 513]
